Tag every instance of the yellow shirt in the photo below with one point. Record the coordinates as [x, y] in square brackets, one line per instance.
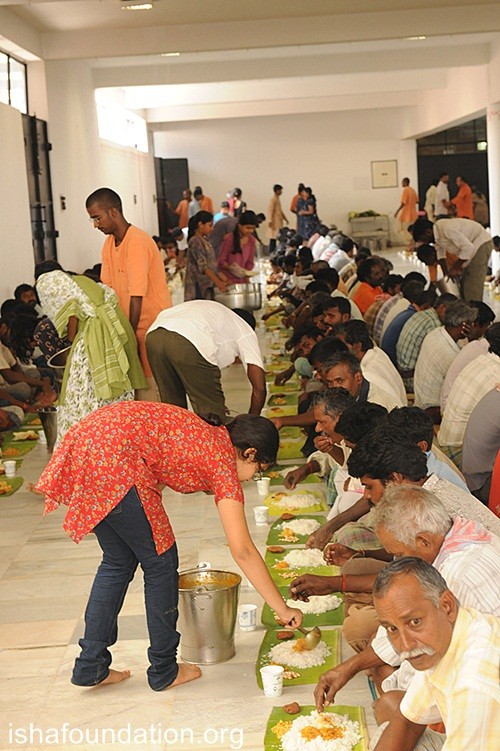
[463, 689]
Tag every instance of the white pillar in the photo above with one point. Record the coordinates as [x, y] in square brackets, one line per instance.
[493, 138]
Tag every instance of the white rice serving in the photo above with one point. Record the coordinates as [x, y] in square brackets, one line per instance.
[295, 740]
[300, 500]
[317, 604]
[301, 526]
[284, 654]
[306, 558]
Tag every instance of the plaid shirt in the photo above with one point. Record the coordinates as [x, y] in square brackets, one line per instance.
[462, 689]
[380, 319]
[475, 380]
[412, 335]
[372, 312]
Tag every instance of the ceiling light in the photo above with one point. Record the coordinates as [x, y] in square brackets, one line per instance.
[170, 54]
[135, 5]
[414, 39]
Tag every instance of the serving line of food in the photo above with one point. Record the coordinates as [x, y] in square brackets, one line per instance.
[295, 659]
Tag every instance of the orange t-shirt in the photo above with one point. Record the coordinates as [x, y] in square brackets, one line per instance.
[134, 268]
[409, 199]
[183, 212]
[365, 295]
[206, 204]
[463, 202]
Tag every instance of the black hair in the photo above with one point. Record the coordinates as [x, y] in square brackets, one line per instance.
[380, 454]
[289, 260]
[362, 254]
[198, 191]
[342, 358]
[317, 287]
[310, 330]
[420, 228]
[333, 401]
[237, 193]
[45, 267]
[22, 328]
[106, 198]
[327, 275]
[341, 303]
[359, 420]
[485, 315]
[411, 289]
[305, 255]
[316, 311]
[277, 187]
[415, 423]
[320, 298]
[426, 298]
[445, 299]
[247, 316]
[366, 266]
[492, 336]
[254, 431]
[201, 217]
[415, 276]
[21, 288]
[8, 307]
[355, 332]
[443, 174]
[427, 254]
[392, 280]
[324, 349]
[347, 244]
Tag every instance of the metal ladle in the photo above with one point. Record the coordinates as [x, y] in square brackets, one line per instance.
[311, 638]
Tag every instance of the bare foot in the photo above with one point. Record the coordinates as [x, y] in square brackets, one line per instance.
[115, 676]
[186, 673]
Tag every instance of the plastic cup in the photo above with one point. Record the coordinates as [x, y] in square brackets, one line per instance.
[272, 680]
[261, 514]
[10, 468]
[263, 486]
[247, 617]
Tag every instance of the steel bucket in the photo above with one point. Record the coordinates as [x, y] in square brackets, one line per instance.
[254, 297]
[48, 418]
[208, 605]
[58, 363]
[235, 297]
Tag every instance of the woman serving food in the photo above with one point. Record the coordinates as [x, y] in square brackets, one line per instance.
[109, 470]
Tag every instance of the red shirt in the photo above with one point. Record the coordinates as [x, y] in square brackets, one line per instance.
[137, 443]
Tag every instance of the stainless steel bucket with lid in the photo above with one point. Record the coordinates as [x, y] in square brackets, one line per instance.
[208, 605]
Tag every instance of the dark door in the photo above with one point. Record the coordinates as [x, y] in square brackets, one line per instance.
[37, 149]
[172, 177]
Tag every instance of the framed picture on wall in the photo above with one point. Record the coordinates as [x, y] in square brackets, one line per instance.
[385, 174]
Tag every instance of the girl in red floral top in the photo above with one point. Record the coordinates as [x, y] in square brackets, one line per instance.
[109, 470]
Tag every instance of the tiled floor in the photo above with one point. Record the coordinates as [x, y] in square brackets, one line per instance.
[44, 583]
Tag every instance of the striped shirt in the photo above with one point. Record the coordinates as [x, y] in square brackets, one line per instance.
[475, 380]
[381, 316]
[436, 355]
[462, 690]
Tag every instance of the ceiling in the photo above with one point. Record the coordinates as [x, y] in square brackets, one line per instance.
[192, 59]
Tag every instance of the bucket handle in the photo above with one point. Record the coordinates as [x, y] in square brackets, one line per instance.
[201, 566]
[199, 595]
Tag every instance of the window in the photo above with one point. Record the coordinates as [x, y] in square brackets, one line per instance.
[462, 139]
[13, 83]
[118, 124]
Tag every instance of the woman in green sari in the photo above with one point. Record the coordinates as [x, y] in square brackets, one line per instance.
[103, 365]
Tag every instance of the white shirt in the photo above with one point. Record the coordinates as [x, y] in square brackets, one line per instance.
[377, 368]
[387, 399]
[475, 380]
[219, 335]
[460, 237]
[466, 355]
[319, 246]
[338, 260]
[442, 194]
[436, 355]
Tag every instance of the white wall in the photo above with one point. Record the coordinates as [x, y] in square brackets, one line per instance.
[332, 152]
[16, 248]
[81, 163]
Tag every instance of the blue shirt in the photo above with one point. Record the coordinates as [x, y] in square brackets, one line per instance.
[436, 467]
[391, 336]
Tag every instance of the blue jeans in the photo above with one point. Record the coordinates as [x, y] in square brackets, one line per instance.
[126, 540]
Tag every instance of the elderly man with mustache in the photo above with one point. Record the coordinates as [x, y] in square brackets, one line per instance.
[455, 652]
